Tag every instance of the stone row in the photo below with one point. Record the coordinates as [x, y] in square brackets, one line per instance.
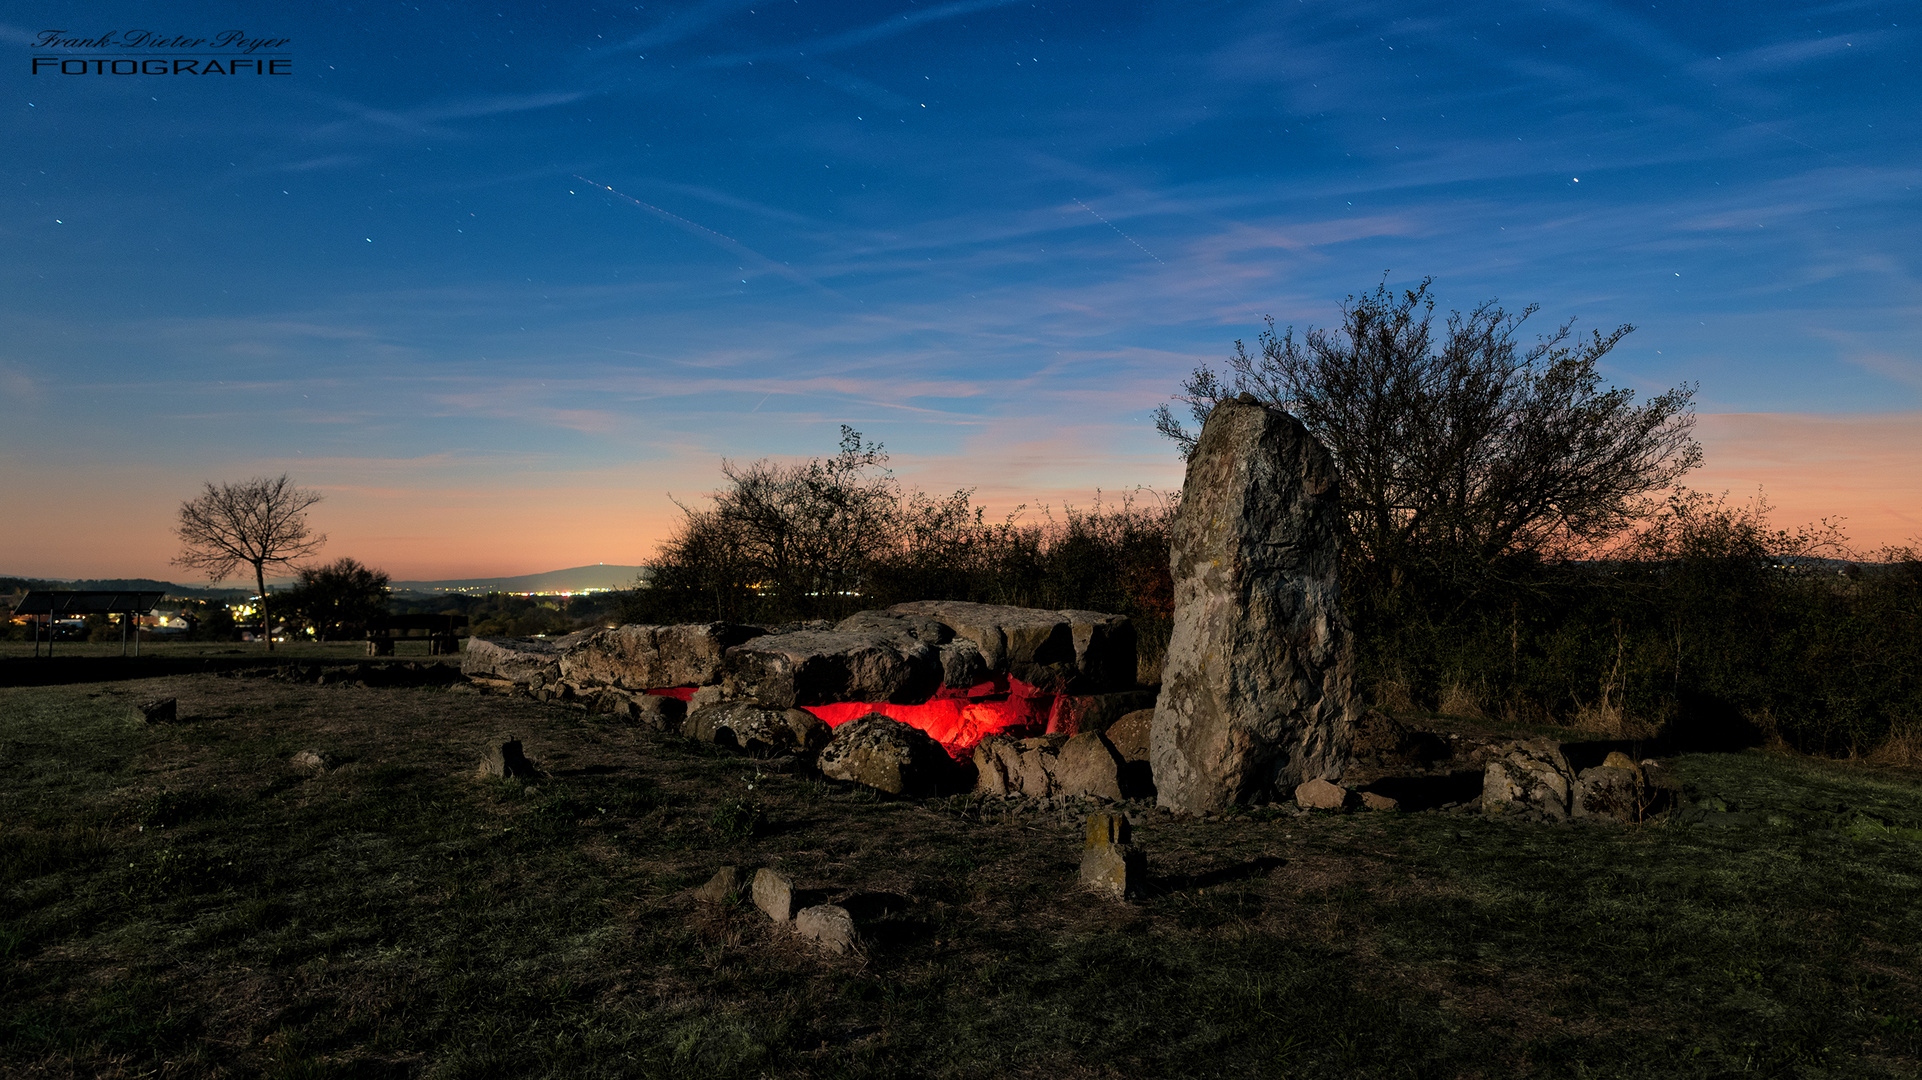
[902, 655]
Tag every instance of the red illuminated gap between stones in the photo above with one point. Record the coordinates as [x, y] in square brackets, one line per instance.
[955, 718]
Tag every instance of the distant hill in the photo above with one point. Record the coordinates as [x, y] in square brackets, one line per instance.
[575, 579]
[201, 592]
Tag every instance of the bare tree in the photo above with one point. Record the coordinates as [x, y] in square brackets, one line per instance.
[256, 522]
[1456, 453]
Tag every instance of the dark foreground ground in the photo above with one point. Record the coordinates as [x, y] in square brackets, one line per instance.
[178, 900]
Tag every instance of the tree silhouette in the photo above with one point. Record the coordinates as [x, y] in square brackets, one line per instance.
[257, 522]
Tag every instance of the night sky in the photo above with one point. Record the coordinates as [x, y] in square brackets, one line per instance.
[499, 280]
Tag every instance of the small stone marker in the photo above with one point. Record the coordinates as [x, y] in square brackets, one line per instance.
[1321, 795]
[726, 882]
[1379, 802]
[158, 711]
[314, 761]
[829, 925]
[774, 894]
[504, 760]
[1109, 863]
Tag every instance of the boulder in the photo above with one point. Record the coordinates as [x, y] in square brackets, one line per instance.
[313, 761]
[887, 755]
[656, 711]
[527, 661]
[1073, 714]
[1608, 792]
[1089, 767]
[1109, 863]
[1618, 760]
[638, 657]
[158, 711]
[1105, 654]
[962, 665]
[1661, 779]
[1057, 652]
[1256, 694]
[1084, 765]
[1016, 767]
[1530, 776]
[757, 729]
[829, 926]
[774, 894]
[863, 659]
[504, 761]
[1129, 735]
[1321, 795]
[726, 882]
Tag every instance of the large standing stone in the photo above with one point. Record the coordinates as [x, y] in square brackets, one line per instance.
[1256, 686]
[637, 657]
[887, 755]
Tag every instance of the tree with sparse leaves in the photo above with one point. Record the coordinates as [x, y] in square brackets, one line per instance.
[258, 522]
[1458, 446]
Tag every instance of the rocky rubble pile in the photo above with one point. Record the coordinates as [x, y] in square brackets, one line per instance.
[751, 688]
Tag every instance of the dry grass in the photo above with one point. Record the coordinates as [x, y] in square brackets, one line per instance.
[1610, 721]
[1459, 700]
[182, 902]
[1902, 749]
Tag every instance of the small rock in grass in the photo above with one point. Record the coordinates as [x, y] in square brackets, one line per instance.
[1321, 795]
[158, 711]
[725, 883]
[1372, 801]
[774, 894]
[1109, 863]
[504, 760]
[829, 925]
[314, 761]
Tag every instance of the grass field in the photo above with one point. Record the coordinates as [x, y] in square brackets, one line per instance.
[179, 900]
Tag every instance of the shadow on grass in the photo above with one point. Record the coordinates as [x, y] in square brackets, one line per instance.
[1171, 884]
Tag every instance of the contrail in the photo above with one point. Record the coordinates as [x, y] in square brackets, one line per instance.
[1117, 231]
[720, 240]
[1235, 296]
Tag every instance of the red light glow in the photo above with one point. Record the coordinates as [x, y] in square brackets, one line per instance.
[957, 719]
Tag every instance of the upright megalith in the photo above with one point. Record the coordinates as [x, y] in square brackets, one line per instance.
[1256, 686]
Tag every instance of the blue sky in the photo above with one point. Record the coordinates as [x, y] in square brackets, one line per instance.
[498, 280]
